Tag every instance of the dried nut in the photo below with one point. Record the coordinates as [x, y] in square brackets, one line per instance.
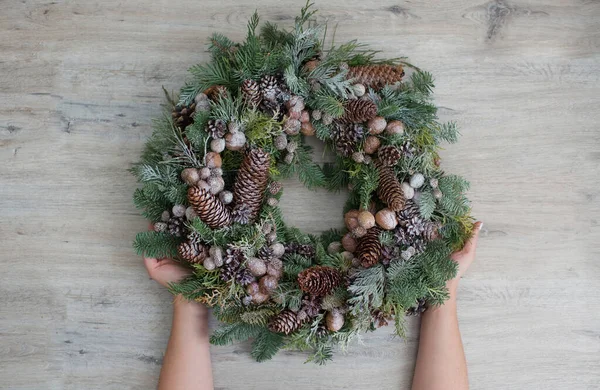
[165, 216]
[366, 220]
[178, 210]
[252, 288]
[259, 297]
[349, 243]
[371, 145]
[358, 90]
[408, 191]
[217, 255]
[268, 283]
[347, 255]
[216, 184]
[437, 193]
[235, 141]
[204, 173]
[334, 247]
[417, 180]
[377, 125]
[307, 129]
[217, 145]
[190, 213]
[257, 266]
[278, 249]
[209, 264]
[359, 232]
[213, 160]
[304, 116]
[190, 176]
[386, 219]
[226, 197]
[394, 127]
[334, 320]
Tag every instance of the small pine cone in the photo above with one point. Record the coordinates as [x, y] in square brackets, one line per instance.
[215, 92]
[241, 214]
[183, 116]
[415, 226]
[265, 253]
[408, 150]
[380, 318]
[322, 332]
[376, 76]
[285, 322]
[175, 226]
[347, 137]
[209, 208]
[269, 87]
[410, 210]
[388, 155]
[251, 181]
[369, 248]
[387, 254]
[216, 128]
[251, 93]
[432, 231]
[275, 187]
[319, 280]
[419, 308]
[358, 111]
[390, 189]
[311, 305]
[192, 251]
[305, 250]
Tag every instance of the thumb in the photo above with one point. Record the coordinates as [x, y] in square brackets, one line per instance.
[471, 244]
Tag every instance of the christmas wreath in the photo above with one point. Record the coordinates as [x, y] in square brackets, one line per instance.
[211, 183]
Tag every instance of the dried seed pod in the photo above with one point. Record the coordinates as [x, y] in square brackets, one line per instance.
[334, 320]
[190, 176]
[386, 219]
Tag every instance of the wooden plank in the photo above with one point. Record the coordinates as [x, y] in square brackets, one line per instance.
[80, 82]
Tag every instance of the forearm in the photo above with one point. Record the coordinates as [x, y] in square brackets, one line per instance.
[186, 364]
[441, 361]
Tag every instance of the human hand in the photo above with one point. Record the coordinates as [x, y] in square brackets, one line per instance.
[165, 271]
[464, 258]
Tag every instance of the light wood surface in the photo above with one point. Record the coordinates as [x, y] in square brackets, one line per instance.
[80, 82]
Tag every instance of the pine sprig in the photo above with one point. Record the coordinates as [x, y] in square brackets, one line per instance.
[155, 244]
[266, 344]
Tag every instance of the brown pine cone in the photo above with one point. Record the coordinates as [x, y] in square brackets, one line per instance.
[319, 280]
[358, 111]
[390, 190]
[376, 76]
[182, 116]
[285, 322]
[209, 208]
[176, 226]
[251, 181]
[193, 252]
[251, 93]
[347, 137]
[388, 155]
[369, 248]
[216, 128]
[432, 231]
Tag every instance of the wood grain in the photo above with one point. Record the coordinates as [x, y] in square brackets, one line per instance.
[80, 82]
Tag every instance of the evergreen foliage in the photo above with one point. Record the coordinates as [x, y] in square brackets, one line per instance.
[305, 68]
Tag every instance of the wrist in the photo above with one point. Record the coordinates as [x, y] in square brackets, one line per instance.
[191, 308]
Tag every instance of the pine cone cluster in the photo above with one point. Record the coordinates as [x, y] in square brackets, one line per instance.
[358, 111]
[251, 93]
[388, 155]
[418, 309]
[251, 182]
[390, 190]
[234, 268]
[209, 208]
[193, 252]
[376, 76]
[319, 280]
[215, 92]
[176, 226]
[305, 250]
[216, 128]
[369, 248]
[346, 138]
[182, 115]
[285, 322]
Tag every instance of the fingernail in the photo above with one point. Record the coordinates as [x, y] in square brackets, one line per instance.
[480, 226]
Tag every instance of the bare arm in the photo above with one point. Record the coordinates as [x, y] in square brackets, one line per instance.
[441, 363]
[186, 365]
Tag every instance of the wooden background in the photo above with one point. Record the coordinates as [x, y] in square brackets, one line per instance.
[80, 81]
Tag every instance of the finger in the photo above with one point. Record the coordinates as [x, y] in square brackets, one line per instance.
[471, 244]
[150, 263]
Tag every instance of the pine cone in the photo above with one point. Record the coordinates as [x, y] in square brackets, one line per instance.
[390, 190]
[175, 226]
[376, 76]
[209, 208]
[347, 137]
[388, 253]
[275, 187]
[380, 318]
[358, 111]
[311, 305]
[410, 210]
[234, 269]
[285, 322]
[414, 226]
[269, 87]
[192, 252]
[408, 150]
[432, 231]
[216, 128]
[369, 248]
[388, 155]
[241, 214]
[319, 280]
[305, 250]
[419, 308]
[265, 253]
[216, 91]
[251, 93]
[182, 116]
[251, 181]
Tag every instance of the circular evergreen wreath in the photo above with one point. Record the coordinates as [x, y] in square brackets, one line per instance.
[211, 174]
